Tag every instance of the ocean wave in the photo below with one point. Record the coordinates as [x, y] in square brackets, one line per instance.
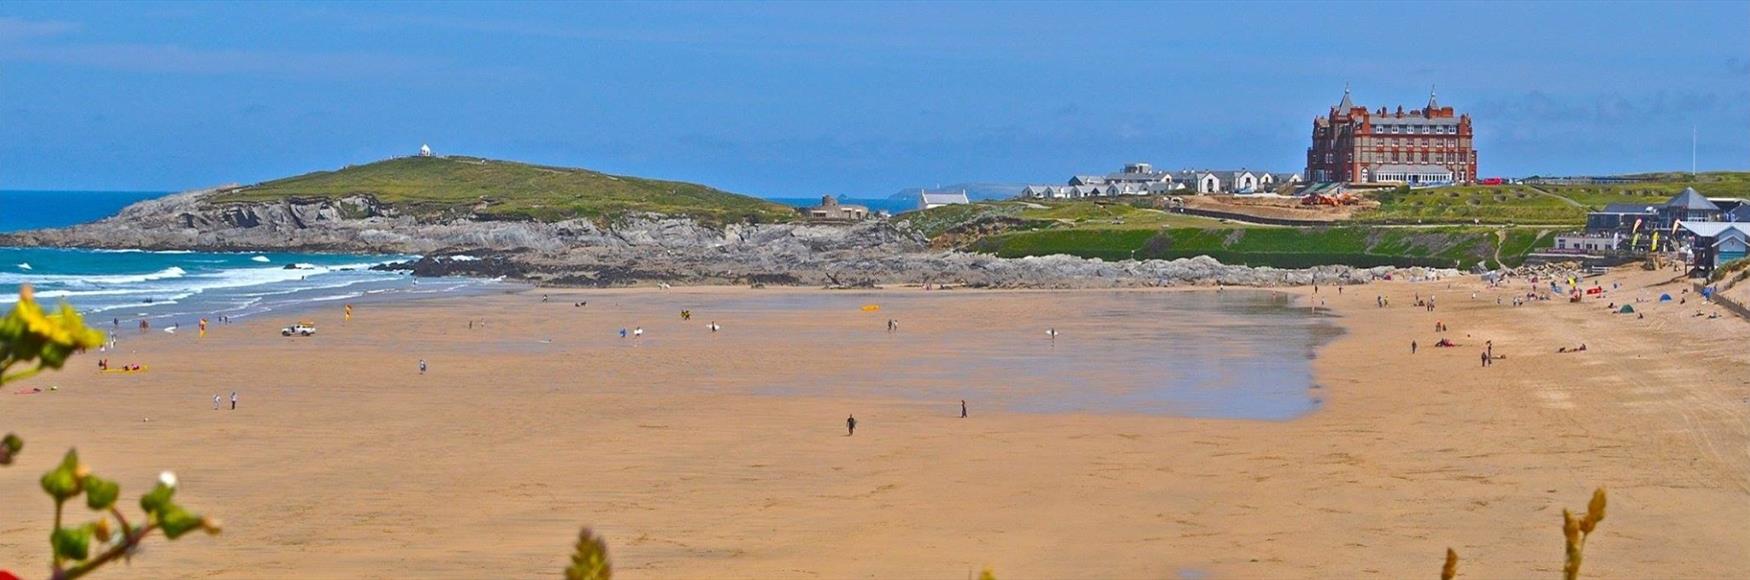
[138, 251]
[87, 280]
[336, 297]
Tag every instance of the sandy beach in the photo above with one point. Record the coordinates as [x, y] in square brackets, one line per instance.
[724, 455]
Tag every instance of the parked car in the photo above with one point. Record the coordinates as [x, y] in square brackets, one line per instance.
[302, 328]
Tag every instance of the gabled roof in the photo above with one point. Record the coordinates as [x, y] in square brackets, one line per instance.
[1714, 229]
[1346, 104]
[945, 197]
[1691, 200]
[1739, 214]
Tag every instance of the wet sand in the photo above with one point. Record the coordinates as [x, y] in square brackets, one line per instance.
[724, 456]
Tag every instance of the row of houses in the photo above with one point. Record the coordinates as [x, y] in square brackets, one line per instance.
[1143, 179]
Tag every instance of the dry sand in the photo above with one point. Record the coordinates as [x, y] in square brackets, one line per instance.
[344, 462]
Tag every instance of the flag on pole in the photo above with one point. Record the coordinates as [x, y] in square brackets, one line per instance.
[1655, 241]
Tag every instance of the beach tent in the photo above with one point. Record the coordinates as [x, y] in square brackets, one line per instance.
[1626, 309]
[1664, 297]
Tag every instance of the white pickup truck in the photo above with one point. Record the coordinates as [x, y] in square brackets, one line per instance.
[299, 329]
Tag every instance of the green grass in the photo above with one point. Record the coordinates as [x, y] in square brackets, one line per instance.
[1540, 204]
[1460, 247]
[1040, 214]
[445, 187]
[1472, 204]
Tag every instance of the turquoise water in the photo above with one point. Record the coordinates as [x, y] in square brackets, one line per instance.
[179, 286]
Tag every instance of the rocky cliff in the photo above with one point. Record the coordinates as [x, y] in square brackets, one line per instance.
[630, 249]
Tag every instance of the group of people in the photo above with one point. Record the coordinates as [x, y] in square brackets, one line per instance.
[103, 365]
[851, 420]
[217, 400]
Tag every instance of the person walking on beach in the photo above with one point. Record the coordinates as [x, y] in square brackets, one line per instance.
[963, 408]
[233, 400]
[1489, 349]
[215, 401]
[1412, 347]
[1485, 359]
[422, 366]
[850, 425]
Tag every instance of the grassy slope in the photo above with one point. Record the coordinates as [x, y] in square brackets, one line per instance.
[1082, 214]
[1282, 247]
[460, 186]
[1542, 204]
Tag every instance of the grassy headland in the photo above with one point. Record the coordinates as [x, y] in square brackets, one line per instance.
[436, 187]
[1457, 226]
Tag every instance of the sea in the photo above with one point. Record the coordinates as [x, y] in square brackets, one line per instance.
[180, 287]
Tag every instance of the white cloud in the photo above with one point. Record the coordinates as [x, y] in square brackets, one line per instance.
[18, 29]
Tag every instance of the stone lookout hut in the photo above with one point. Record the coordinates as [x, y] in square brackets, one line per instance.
[830, 210]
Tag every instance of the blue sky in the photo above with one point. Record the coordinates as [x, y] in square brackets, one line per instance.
[799, 99]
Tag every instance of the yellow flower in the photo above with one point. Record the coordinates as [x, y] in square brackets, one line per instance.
[65, 327]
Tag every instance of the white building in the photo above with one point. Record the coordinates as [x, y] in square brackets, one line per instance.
[935, 199]
[1587, 242]
[1409, 174]
[1143, 179]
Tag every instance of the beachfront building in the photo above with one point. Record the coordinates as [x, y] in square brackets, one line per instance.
[1740, 213]
[1687, 206]
[935, 199]
[1713, 244]
[1621, 218]
[830, 210]
[1351, 144]
[1584, 242]
[1143, 179]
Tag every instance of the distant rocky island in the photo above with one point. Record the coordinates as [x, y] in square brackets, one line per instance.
[575, 227]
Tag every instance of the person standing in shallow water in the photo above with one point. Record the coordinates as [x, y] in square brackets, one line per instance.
[850, 425]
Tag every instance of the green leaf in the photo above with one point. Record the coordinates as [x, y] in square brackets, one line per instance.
[62, 482]
[100, 494]
[177, 521]
[71, 543]
[158, 499]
